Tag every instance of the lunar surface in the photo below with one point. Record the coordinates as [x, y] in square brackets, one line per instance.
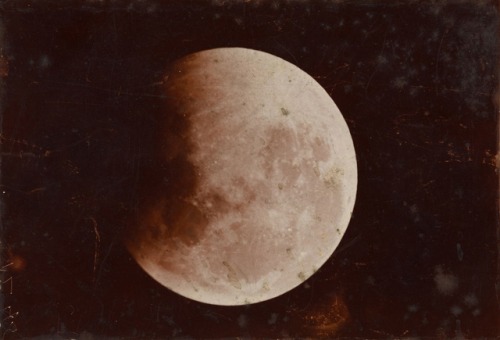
[261, 179]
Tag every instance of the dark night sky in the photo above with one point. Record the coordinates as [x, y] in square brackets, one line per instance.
[415, 82]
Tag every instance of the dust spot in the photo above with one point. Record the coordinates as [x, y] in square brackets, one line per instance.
[4, 66]
[456, 310]
[16, 263]
[284, 111]
[470, 300]
[280, 186]
[301, 276]
[326, 318]
[446, 283]
[242, 320]
[265, 286]
[381, 60]
[414, 209]
[370, 280]
[44, 62]
[272, 319]
[232, 276]
[460, 252]
[412, 308]
[400, 82]
[316, 170]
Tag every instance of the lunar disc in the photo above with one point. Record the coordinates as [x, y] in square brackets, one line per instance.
[261, 179]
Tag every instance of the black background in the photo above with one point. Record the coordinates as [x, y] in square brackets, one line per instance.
[415, 82]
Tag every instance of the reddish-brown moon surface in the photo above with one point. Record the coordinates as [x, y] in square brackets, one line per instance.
[266, 179]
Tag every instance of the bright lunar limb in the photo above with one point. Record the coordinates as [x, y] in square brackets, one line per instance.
[266, 185]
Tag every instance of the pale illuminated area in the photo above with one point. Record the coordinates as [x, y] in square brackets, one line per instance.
[265, 180]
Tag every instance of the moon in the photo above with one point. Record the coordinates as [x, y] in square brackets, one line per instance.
[261, 179]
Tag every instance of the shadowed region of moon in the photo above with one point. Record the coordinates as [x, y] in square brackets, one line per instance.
[260, 179]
